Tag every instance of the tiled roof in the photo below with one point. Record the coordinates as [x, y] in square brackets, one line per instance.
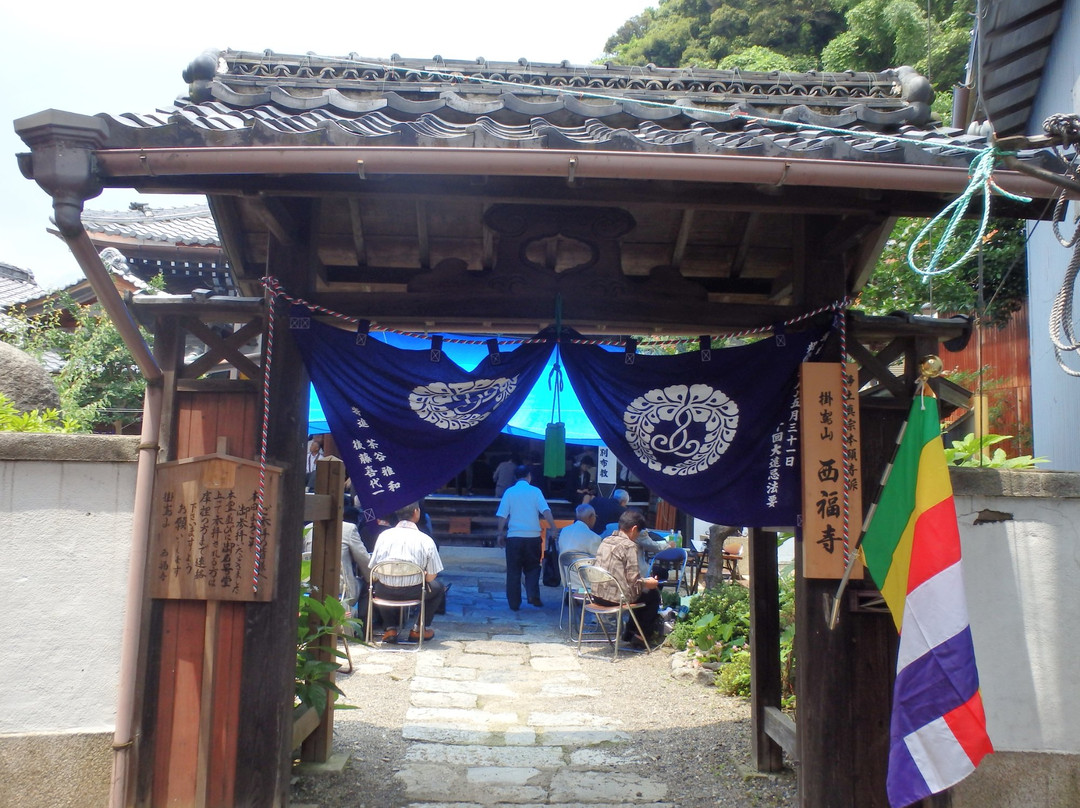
[1016, 39]
[17, 285]
[238, 98]
[190, 225]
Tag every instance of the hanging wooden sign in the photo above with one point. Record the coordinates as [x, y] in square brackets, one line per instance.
[822, 395]
[205, 542]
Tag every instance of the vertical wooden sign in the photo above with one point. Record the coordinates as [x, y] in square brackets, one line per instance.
[205, 544]
[822, 395]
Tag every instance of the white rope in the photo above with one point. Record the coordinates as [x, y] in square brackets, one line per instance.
[1062, 329]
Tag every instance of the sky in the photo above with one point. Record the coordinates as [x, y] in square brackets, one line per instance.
[117, 57]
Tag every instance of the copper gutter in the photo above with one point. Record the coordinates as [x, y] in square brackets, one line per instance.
[362, 161]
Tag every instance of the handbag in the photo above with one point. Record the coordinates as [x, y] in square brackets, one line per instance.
[549, 571]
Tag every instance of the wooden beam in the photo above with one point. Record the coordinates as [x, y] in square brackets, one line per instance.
[488, 239]
[781, 729]
[222, 349]
[423, 241]
[356, 221]
[738, 263]
[686, 224]
[877, 370]
[230, 227]
[276, 217]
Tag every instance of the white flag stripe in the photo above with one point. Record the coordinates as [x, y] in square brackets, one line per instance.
[941, 759]
[933, 613]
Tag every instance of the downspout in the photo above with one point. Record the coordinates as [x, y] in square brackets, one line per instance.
[68, 217]
[62, 164]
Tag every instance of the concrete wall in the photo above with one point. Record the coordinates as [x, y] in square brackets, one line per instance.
[65, 523]
[1021, 570]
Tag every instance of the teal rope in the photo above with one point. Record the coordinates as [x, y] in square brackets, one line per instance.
[981, 178]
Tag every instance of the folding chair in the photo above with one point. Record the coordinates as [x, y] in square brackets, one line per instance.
[396, 569]
[571, 585]
[667, 561]
[591, 575]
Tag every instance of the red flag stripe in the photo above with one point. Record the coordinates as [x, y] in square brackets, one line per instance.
[936, 543]
[968, 724]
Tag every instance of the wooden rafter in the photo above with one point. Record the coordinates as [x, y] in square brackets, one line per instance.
[356, 221]
[678, 252]
[738, 263]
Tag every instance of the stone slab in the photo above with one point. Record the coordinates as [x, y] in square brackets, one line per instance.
[620, 788]
[538, 757]
[456, 700]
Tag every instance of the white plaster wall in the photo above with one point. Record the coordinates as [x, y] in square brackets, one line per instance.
[66, 531]
[1021, 578]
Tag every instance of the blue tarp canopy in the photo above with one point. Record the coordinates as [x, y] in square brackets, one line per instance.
[529, 421]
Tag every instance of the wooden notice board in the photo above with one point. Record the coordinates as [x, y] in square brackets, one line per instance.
[203, 542]
[822, 393]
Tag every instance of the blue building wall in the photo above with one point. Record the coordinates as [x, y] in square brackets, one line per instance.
[1055, 396]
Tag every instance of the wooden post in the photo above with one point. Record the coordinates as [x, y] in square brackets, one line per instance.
[764, 646]
[325, 577]
[264, 742]
[838, 724]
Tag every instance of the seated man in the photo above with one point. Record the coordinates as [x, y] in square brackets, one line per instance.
[405, 542]
[354, 557]
[580, 536]
[618, 554]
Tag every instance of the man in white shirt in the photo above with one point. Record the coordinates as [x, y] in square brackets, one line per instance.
[405, 542]
[580, 536]
[519, 512]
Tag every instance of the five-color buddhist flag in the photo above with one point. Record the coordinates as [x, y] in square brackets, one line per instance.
[912, 548]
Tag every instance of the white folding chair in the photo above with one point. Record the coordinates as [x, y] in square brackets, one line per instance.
[591, 575]
[396, 570]
[571, 584]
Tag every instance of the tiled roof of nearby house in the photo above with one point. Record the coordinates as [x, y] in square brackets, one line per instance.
[181, 244]
[239, 98]
[190, 225]
[17, 285]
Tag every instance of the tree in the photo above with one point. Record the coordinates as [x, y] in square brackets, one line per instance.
[98, 381]
[894, 286]
[707, 32]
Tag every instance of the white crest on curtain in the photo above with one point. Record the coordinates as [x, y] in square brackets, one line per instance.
[460, 405]
[694, 424]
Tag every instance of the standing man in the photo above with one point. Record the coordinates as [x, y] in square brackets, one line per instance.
[520, 511]
[405, 542]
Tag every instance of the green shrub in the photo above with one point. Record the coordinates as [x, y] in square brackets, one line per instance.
[716, 623]
[733, 678]
[11, 420]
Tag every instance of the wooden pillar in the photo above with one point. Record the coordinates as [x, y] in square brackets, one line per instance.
[325, 579]
[764, 648]
[264, 756]
[843, 684]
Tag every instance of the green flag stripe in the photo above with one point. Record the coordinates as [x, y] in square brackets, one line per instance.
[897, 500]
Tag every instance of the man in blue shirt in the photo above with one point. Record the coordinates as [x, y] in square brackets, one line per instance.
[520, 510]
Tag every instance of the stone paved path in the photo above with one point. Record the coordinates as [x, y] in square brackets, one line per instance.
[501, 709]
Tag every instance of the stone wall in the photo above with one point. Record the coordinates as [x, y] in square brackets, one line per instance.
[65, 518]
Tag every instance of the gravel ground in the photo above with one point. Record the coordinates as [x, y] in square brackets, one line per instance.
[683, 730]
